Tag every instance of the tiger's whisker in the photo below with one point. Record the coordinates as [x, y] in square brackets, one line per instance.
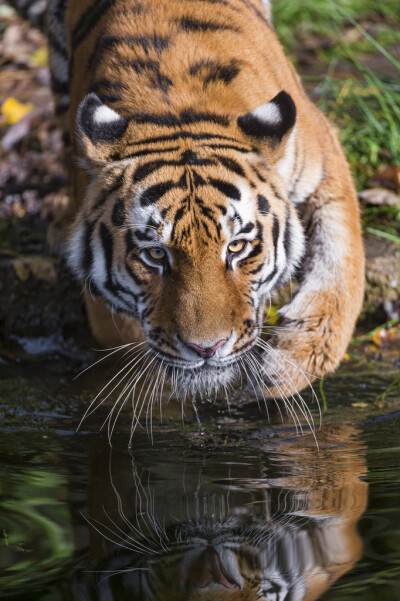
[304, 373]
[128, 367]
[114, 350]
[136, 417]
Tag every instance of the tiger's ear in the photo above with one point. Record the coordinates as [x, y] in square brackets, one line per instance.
[100, 128]
[271, 121]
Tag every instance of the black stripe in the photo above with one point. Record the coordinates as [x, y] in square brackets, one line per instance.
[228, 147]
[187, 158]
[109, 85]
[110, 285]
[143, 236]
[134, 277]
[236, 217]
[185, 118]
[145, 152]
[87, 256]
[105, 194]
[287, 242]
[189, 24]
[258, 247]
[152, 70]
[269, 277]
[89, 20]
[193, 136]
[257, 269]
[93, 288]
[247, 228]
[145, 170]
[231, 164]
[118, 215]
[154, 193]
[107, 243]
[275, 232]
[224, 2]
[147, 42]
[188, 117]
[258, 174]
[227, 189]
[207, 231]
[130, 242]
[255, 10]
[275, 191]
[206, 211]
[213, 71]
[263, 204]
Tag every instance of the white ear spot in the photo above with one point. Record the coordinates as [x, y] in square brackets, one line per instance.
[104, 114]
[269, 113]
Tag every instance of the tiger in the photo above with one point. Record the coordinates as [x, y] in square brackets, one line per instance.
[203, 179]
[280, 527]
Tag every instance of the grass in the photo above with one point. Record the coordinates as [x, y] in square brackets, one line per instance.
[352, 45]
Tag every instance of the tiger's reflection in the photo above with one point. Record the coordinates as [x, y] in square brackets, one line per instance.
[266, 521]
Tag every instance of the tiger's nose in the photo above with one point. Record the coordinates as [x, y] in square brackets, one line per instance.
[206, 352]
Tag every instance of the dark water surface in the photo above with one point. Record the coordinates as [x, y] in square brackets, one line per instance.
[244, 510]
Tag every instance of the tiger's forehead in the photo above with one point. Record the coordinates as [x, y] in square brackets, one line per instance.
[191, 193]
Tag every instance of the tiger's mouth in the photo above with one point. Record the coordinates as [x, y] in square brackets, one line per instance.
[205, 376]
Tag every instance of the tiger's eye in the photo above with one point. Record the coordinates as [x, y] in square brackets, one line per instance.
[237, 246]
[156, 253]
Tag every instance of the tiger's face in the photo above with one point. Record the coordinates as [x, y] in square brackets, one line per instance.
[188, 231]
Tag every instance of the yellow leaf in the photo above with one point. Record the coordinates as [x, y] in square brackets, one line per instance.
[272, 315]
[13, 110]
[40, 57]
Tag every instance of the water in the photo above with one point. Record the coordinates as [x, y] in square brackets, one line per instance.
[237, 508]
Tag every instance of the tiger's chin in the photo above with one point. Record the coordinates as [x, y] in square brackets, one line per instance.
[207, 380]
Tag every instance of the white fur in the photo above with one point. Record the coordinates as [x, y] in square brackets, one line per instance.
[74, 250]
[285, 167]
[269, 113]
[267, 8]
[104, 114]
[98, 270]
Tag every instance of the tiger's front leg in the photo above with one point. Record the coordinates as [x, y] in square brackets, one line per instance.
[111, 329]
[318, 322]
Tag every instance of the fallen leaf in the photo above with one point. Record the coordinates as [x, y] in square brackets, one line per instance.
[379, 197]
[387, 337]
[40, 57]
[14, 111]
[390, 173]
[41, 267]
[360, 405]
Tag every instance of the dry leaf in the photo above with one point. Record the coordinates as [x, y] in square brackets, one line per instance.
[390, 173]
[387, 337]
[41, 267]
[14, 111]
[40, 57]
[379, 197]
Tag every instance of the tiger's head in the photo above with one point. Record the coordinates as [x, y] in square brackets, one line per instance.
[187, 226]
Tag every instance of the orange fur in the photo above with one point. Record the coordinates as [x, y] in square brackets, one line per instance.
[164, 58]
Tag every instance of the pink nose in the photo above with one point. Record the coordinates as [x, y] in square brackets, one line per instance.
[206, 352]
